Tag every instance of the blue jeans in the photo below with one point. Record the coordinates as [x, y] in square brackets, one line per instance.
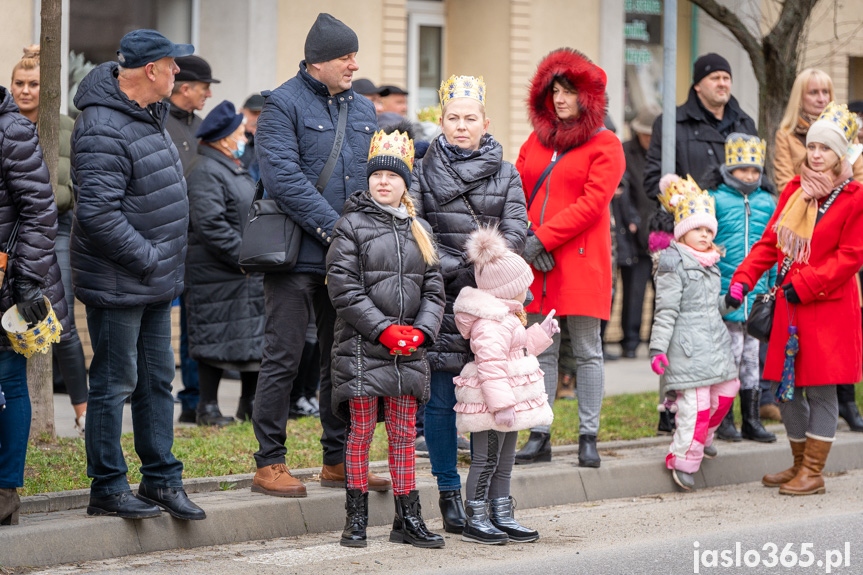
[132, 356]
[14, 420]
[191, 394]
[440, 432]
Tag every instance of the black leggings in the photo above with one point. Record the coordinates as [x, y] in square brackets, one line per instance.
[210, 376]
[492, 458]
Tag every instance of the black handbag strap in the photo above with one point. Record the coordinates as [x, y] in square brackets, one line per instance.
[544, 175]
[13, 238]
[786, 263]
[337, 148]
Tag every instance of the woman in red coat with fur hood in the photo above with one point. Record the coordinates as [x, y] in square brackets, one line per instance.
[569, 243]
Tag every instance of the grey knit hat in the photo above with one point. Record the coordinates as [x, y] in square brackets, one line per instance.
[329, 39]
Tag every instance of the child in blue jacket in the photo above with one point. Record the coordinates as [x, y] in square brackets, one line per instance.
[745, 201]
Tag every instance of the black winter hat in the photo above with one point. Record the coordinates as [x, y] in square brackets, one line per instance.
[194, 69]
[220, 122]
[329, 39]
[708, 64]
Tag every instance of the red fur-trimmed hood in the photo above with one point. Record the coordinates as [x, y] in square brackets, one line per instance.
[588, 79]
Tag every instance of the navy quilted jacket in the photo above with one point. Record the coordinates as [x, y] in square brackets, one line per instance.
[131, 210]
[295, 135]
[25, 195]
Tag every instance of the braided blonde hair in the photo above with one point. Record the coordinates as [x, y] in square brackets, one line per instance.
[426, 245]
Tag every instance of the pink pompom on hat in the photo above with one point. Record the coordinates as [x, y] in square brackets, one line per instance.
[497, 269]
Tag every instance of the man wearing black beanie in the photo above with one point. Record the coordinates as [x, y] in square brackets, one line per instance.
[311, 118]
[708, 116]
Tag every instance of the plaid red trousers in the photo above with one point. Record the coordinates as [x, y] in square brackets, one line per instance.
[400, 420]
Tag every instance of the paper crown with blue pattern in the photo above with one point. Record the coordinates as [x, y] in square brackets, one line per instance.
[462, 87]
[744, 151]
[393, 152]
[26, 339]
[693, 208]
[841, 118]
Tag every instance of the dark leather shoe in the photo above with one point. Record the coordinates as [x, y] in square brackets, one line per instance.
[173, 500]
[210, 414]
[726, 429]
[587, 454]
[452, 511]
[537, 449]
[188, 416]
[848, 411]
[245, 408]
[123, 505]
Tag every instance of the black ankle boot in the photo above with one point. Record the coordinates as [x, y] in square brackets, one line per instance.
[10, 503]
[588, 456]
[210, 414]
[478, 527]
[245, 408]
[502, 517]
[726, 429]
[848, 411]
[356, 519]
[452, 511]
[751, 427]
[408, 525]
[537, 449]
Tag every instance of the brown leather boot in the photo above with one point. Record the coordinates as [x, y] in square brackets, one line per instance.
[777, 479]
[334, 476]
[10, 503]
[809, 480]
[277, 480]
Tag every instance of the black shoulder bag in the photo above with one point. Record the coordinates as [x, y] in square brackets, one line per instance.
[271, 239]
[760, 320]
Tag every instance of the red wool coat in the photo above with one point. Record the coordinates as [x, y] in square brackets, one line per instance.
[828, 319]
[571, 215]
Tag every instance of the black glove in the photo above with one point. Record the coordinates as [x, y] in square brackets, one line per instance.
[791, 294]
[27, 294]
[544, 262]
[732, 302]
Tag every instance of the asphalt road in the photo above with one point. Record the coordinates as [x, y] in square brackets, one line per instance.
[667, 534]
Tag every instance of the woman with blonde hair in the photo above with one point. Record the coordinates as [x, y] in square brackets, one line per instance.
[461, 184]
[68, 353]
[810, 94]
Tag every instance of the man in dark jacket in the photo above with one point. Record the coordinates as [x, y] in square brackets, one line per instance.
[128, 246]
[191, 91]
[703, 122]
[296, 134]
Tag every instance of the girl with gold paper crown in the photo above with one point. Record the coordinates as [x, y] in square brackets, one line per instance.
[816, 238]
[689, 345]
[383, 280]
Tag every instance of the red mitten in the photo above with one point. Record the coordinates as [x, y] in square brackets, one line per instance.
[394, 338]
[415, 338]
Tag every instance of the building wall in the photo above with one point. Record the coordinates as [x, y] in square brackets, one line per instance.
[16, 32]
[833, 37]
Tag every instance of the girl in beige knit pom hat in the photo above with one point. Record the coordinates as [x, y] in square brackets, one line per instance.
[502, 390]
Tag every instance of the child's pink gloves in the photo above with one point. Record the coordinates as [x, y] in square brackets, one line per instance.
[550, 325]
[734, 297]
[505, 417]
[659, 363]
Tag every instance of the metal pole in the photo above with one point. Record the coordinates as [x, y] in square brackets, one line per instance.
[669, 85]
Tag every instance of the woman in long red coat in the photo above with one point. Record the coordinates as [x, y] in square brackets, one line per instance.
[819, 295]
[569, 244]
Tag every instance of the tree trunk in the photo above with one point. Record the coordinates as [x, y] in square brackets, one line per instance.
[39, 373]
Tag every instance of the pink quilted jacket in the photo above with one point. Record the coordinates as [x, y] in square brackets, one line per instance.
[505, 372]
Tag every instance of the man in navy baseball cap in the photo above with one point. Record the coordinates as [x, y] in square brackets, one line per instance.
[140, 47]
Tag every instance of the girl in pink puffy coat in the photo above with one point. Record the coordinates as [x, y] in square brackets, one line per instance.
[502, 390]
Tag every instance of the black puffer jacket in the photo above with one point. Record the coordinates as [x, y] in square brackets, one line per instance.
[447, 192]
[376, 277]
[25, 194]
[131, 211]
[224, 306]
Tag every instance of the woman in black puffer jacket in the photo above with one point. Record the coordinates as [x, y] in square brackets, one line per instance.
[462, 183]
[32, 270]
[383, 280]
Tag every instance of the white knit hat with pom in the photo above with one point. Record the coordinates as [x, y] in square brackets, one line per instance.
[497, 270]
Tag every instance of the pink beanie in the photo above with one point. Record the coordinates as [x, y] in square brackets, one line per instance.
[497, 270]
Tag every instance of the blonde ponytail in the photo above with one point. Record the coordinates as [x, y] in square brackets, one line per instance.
[424, 241]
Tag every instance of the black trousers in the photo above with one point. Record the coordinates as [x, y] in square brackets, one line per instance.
[635, 278]
[288, 299]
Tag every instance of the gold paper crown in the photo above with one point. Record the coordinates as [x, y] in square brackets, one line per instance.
[462, 87]
[745, 151]
[839, 115]
[28, 340]
[396, 144]
[690, 200]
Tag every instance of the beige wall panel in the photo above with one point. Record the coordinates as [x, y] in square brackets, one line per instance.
[15, 33]
[296, 17]
[835, 35]
[559, 23]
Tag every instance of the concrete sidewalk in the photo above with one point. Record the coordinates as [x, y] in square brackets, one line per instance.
[48, 535]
